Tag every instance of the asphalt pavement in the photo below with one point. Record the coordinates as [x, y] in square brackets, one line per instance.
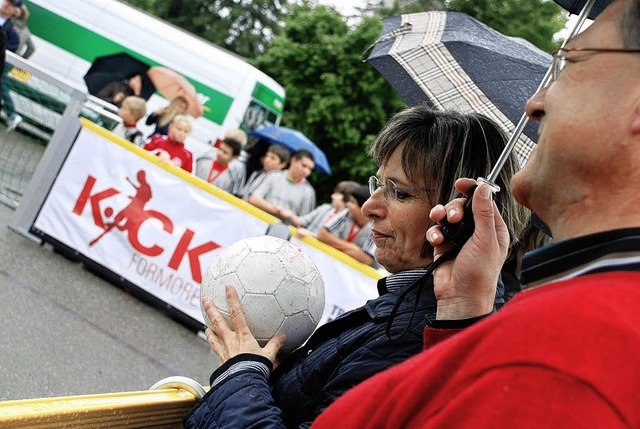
[65, 331]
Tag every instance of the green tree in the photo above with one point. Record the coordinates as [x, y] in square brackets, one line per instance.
[241, 26]
[333, 97]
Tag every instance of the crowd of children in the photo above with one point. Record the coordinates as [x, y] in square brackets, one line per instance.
[268, 176]
[172, 129]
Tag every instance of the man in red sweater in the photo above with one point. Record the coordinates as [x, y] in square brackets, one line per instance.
[565, 352]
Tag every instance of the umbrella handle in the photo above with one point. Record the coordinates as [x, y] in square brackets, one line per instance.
[459, 233]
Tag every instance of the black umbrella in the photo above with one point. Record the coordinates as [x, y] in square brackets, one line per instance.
[116, 68]
[575, 6]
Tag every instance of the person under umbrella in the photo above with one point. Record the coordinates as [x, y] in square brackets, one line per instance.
[116, 91]
[287, 192]
[420, 152]
[171, 85]
[294, 140]
[163, 116]
[564, 353]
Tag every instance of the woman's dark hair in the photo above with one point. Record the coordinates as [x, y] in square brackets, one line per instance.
[442, 146]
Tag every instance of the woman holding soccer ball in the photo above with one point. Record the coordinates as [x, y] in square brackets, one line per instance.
[420, 154]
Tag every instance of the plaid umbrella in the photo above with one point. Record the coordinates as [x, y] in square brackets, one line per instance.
[452, 61]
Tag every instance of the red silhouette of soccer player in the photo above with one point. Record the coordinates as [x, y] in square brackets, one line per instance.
[133, 213]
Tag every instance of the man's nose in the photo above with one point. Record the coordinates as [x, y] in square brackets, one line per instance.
[535, 105]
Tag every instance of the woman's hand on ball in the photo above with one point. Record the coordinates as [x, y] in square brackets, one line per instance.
[227, 342]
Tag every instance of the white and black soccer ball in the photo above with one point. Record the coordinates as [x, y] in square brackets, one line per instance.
[279, 286]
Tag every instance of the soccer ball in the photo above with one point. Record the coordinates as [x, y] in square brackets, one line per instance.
[279, 286]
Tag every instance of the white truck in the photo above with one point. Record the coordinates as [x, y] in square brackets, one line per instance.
[71, 35]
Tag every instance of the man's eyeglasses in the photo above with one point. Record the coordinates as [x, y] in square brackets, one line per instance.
[560, 57]
[391, 191]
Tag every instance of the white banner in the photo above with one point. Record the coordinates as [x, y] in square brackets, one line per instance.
[160, 228]
[346, 285]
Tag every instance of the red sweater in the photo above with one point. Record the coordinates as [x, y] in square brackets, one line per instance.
[180, 156]
[564, 355]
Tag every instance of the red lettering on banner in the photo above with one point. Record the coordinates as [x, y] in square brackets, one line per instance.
[194, 254]
[136, 223]
[85, 195]
[131, 218]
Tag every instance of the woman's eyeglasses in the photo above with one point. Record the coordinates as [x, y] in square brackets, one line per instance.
[391, 191]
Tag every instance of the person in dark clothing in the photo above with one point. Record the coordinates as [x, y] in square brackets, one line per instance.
[420, 153]
[564, 352]
[8, 9]
[3, 52]
[27, 47]
[163, 116]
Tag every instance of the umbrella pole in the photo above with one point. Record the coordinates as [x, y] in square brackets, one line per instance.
[511, 144]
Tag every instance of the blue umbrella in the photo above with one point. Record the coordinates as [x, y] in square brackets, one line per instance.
[294, 140]
[450, 60]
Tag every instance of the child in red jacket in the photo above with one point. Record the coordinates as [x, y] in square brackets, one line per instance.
[171, 148]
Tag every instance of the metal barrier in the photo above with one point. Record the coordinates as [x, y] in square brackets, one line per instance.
[50, 110]
[31, 155]
[162, 407]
